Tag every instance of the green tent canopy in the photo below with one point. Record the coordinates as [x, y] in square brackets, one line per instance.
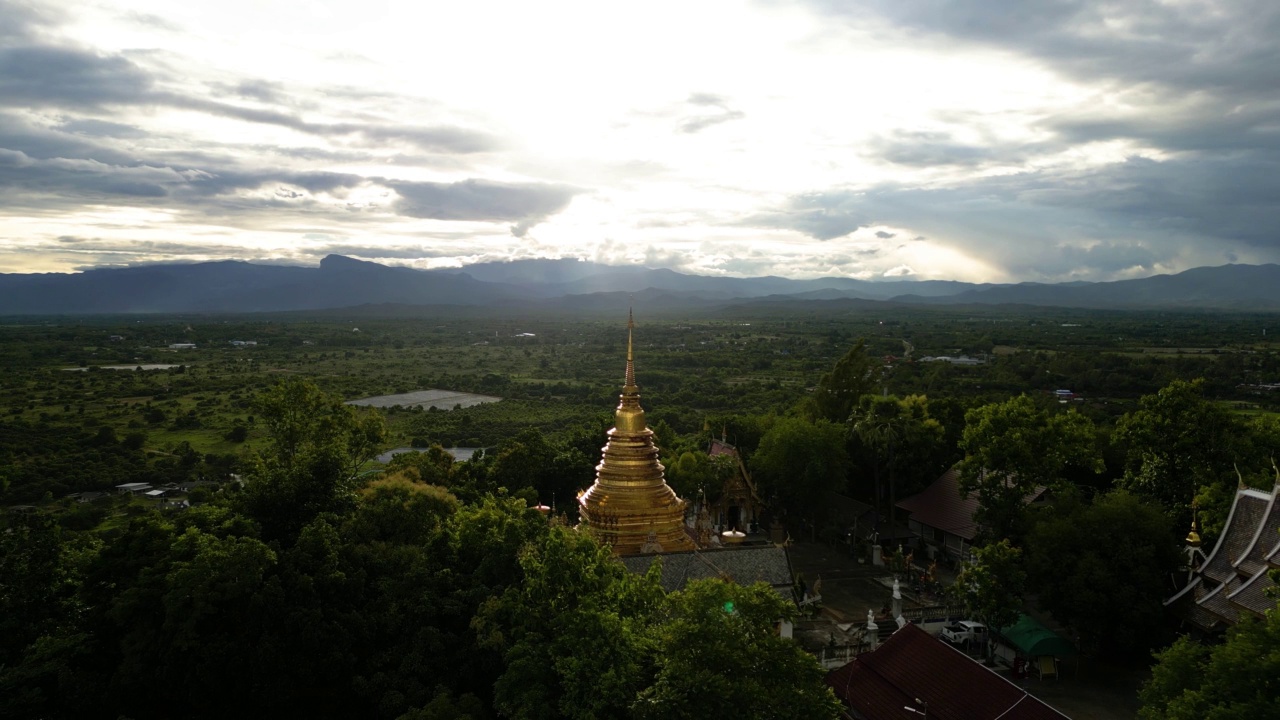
[1033, 639]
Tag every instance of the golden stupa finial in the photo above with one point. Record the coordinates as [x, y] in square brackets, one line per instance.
[630, 506]
[1193, 537]
[630, 381]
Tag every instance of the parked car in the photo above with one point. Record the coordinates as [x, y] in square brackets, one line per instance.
[964, 631]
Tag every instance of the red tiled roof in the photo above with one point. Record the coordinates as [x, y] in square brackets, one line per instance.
[940, 506]
[913, 665]
[719, 447]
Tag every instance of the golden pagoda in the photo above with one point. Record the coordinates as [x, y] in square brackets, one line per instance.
[630, 507]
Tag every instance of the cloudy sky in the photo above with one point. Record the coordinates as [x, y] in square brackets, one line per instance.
[967, 139]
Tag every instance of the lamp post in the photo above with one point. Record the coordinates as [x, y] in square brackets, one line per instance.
[922, 713]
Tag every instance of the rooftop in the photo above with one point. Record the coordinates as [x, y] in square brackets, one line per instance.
[912, 669]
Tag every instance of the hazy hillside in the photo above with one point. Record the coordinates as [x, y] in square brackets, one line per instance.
[576, 287]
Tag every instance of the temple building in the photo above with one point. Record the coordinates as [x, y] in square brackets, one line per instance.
[630, 507]
[1233, 580]
[739, 506]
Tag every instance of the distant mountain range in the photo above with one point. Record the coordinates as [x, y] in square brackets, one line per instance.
[580, 287]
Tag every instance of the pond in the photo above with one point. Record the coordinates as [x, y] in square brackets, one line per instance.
[460, 454]
[439, 399]
[143, 366]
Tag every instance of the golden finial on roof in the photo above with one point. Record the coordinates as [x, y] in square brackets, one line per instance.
[1193, 537]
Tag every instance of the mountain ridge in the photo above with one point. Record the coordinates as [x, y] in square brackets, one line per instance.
[568, 285]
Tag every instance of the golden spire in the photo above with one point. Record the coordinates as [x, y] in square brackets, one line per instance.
[630, 506]
[629, 379]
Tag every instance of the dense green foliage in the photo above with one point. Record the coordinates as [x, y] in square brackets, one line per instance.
[1011, 448]
[1236, 680]
[992, 586]
[798, 463]
[330, 585]
[309, 592]
[1103, 568]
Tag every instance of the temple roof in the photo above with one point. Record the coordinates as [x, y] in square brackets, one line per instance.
[913, 665]
[941, 506]
[1235, 576]
[1248, 510]
[744, 565]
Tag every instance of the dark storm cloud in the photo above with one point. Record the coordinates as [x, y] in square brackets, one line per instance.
[65, 77]
[142, 248]
[413, 252]
[67, 139]
[82, 149]
[56, 170]
[21, 19]
[85, 177]
[1228, 45]
[933, 149]
[822, 215]
[49, 76]
[94, 127]
[524, 204]
[1198, 82]
[1128, 215]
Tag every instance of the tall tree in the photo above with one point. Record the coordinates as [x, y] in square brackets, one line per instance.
[1011, 448]
[318, 447]
[901, 443]
[798, 463]
[718, 654]
[992, 586]
[572, 633]
[1178, 444]
[838, 392]
[1103, 569]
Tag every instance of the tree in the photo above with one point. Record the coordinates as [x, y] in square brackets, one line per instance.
[1013, 447]
[991, 587]
[434, 466]
[1103, 569]
[572, 633]
[37, 582]
[903, 444]
[304, 421]
[798, 463]
[1178, 445]
[1235, 680]
[318, 447]
[696, 474]
[718, 654]
[584, 638]
[838, 392]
